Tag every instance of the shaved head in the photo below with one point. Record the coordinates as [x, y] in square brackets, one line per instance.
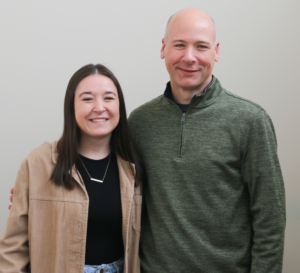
[190, 50]
[188, 13]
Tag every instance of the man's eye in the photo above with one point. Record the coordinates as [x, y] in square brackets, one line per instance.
[179, 45]
[202, 46]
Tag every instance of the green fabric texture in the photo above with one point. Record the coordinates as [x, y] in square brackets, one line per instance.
[214, 198]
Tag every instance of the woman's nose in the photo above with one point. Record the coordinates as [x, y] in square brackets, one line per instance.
[99, 107]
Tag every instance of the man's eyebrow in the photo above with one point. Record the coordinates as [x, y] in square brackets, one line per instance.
[203, 42]
[197, 42]
[178, 41]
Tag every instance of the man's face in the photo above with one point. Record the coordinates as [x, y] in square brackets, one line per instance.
[190, 52]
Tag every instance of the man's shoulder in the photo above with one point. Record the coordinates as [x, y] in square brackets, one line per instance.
[242, 103]
[146, 109]
[240, 106]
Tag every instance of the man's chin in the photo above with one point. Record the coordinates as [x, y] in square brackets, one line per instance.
[193, 83]
[189, 85]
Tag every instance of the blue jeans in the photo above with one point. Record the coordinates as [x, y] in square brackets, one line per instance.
[115, 267]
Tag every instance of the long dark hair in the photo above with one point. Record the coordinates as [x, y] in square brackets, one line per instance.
[68, 144]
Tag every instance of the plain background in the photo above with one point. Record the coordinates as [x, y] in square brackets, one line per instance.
[44, 42]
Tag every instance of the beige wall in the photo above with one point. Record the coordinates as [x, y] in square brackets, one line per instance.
[44, 42]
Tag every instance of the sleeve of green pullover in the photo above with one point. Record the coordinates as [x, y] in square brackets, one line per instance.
[261, 172]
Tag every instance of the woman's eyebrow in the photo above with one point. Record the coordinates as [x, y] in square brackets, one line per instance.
[110, 92]
[106, 93]
[85, 93]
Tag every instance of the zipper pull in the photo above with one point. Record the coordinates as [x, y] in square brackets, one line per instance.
[183, 118]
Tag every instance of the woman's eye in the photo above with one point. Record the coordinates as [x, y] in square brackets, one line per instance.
[109, 98]
[87, 99]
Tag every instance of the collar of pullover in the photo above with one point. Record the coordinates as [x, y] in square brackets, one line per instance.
[210, 94]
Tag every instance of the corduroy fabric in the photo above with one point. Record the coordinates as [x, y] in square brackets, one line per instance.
[214, 199]
[47, 225]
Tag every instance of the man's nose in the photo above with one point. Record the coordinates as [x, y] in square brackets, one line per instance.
[189, 55]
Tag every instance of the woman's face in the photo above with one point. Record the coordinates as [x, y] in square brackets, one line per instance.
[96, 106]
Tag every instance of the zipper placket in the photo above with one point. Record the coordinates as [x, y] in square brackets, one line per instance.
[182, 127]
[183, 117]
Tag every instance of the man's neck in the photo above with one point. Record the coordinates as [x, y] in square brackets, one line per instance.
[184, 96]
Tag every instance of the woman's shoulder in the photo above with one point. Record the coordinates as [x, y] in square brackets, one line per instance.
[39, 162]
[125, 168]
[45, 153]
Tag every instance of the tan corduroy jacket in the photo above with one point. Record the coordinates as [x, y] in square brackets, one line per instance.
[47, 225]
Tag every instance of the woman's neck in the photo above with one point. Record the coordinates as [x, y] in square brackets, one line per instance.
[94, 148]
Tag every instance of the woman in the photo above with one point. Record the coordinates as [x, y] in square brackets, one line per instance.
[77, 202]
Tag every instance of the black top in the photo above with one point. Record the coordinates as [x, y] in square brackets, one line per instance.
[183, 107]
[104, 242]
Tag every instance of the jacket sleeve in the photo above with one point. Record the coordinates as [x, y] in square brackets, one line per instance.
[262, 174]
[14, 250]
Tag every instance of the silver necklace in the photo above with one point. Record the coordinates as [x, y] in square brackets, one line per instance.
[94, 179]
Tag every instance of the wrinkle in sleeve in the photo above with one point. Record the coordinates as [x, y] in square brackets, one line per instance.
[14, 249]
[262, 174]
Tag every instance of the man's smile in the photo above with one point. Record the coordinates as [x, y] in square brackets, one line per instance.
[188, 72]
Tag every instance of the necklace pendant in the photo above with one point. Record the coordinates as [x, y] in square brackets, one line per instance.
[97, 180]
[93, 179]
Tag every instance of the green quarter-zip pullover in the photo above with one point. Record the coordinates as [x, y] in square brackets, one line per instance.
[214, 199]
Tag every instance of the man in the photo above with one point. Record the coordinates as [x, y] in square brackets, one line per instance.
[214, 195]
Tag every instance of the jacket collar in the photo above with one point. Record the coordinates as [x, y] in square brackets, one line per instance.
[210, 94]
[54, 152]
[124, 168]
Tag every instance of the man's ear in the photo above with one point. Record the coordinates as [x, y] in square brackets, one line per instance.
[162, 51]
[217, 58]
